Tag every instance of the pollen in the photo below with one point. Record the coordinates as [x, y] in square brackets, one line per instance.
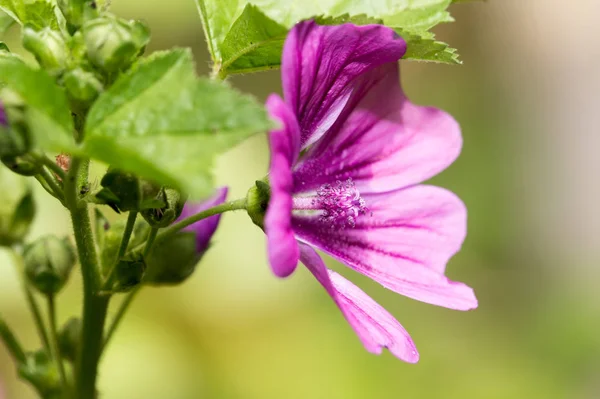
[340, 204]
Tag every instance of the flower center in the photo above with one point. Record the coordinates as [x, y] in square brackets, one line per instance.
[339, 204]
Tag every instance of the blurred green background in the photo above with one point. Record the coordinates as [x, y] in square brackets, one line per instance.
[526, 98]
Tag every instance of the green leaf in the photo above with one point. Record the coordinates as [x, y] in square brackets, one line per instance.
[163, 123]
[36, 13]
[47, 112]
[425, 48]
[254, 42]
[246, 38]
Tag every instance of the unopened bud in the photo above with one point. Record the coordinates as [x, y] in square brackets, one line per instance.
[18, 208]
[48, 47]
[68, 338]
[42, 373]
[128, 273]
[173, 260]
[173, 202]
[48, 263]
[113, 44]
[82, 88]
[15, 137]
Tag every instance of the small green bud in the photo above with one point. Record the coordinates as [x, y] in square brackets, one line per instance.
[18, 208]
[257, 201]
[42, 373]
[129, 273]
[48, 263]
[15, 136]
[122, 191]
[4, 47]
[48, 47]
[82, 88]
[173, 202]
[173, 260]
[113, 44]
[68, 338]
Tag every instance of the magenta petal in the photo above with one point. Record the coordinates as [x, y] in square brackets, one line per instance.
[376, 327]
[320, 65]
[386, 143]
[404, 244]
[204, 228]
[282, 248]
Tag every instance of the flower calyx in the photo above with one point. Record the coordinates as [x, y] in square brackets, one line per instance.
[48, 263]
[257, 201]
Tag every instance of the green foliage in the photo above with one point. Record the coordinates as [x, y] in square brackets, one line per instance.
[6, 21]
[163, 123]
[47, 111]
[244, 37]
[35, 13]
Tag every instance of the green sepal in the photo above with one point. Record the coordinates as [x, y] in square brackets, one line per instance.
[172, 205]
[257, 201]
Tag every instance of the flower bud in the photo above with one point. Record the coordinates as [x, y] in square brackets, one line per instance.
[122, 191]
[128, 273]
[42, 373]
[82, 88]
[4, 47]
[68, 338]
[113, 44]
[173, 260]
[173, 202]
[17, 210]
[257, 201]
[76, 12]
[48, 263]
[48, 47]
[15, 136]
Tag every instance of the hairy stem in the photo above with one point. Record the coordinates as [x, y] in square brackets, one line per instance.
[11, 342]
[31, 302]
[94, 305]
[54, 347]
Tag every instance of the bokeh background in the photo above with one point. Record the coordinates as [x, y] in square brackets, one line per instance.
[527, 100]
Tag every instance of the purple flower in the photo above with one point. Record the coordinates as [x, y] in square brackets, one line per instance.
[345, 171]
[204, 228]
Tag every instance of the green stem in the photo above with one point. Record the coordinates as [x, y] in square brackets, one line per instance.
[94, 305]
[31, 302]
[150, 241]
[215, 210]
[54, 347]
[123, 247]
[11, 342]
[120, 313]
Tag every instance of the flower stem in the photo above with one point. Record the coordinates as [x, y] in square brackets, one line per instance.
[50, 164]
[11, 342]
[123, 247]
[54, 347]
[31, 302]
[94, 305]
[215, 210]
